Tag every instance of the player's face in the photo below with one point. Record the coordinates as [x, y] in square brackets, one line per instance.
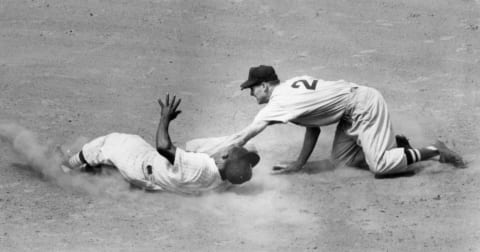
[260, 93]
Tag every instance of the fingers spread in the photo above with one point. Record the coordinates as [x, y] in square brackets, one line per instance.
[170, 104]
[177, 104]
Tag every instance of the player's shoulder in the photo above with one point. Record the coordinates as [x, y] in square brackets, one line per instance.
[293, 84]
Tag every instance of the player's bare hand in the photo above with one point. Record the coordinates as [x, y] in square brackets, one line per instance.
[169, 107]
[287, 168]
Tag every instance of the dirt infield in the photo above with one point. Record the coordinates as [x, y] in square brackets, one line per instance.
[73, 70]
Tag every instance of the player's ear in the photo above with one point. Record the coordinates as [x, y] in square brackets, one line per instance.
[261, 86]
[266, 87]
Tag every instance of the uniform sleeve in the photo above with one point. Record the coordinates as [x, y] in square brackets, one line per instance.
[195, 170]
[275, 112]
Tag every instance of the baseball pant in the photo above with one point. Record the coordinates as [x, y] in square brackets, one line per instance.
[364, 137]
[130, 154]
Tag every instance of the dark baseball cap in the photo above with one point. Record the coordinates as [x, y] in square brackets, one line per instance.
[238, 166]
[259, 74]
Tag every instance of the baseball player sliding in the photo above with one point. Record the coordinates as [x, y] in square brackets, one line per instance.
[364, 135]
[166, 167]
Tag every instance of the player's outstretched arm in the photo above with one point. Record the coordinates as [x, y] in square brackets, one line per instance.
[309, 142]
[168, 113]
[242, 137]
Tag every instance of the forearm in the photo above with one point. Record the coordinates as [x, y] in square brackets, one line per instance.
[309, 142]
[163, 138]
[238, 139]
[232, 140]
[163, 143]
[242, 137]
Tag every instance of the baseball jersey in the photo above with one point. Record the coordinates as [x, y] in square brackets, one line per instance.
[191, 172]
[307, 101]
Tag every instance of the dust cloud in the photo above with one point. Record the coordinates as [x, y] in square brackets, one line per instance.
[45, 159]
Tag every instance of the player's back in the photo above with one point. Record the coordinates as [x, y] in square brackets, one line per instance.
[313, 101]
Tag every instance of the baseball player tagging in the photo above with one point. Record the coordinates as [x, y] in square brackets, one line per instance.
[364, 135]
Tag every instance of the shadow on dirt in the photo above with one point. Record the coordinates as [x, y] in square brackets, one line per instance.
[396, 175]
[248, 189]
[319, 166]
[325, 165]
[28, 170]
[418, 167]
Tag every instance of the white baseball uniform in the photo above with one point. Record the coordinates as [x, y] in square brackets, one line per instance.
[190, 173]
[364, 132]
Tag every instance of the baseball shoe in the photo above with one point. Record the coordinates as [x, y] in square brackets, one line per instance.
[64, 159]
[449, 156]
[65, 155]
[402, 142]
[65, 165]
[65, 168]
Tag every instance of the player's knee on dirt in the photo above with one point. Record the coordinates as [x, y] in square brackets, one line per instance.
[380, 168]
[380, 173]
[358, 163]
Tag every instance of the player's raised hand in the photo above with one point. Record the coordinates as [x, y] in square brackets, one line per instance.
[169, 108]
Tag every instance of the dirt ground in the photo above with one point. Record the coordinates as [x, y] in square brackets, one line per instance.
[73, 70]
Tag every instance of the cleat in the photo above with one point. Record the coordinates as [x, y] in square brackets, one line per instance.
[449, 156]
[65, 169]
[65, 165]
[64, 162]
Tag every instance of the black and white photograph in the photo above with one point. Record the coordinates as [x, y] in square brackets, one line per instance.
[239, 125]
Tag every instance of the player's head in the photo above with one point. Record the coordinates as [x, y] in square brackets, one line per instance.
[238, 165]
[260, 80]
